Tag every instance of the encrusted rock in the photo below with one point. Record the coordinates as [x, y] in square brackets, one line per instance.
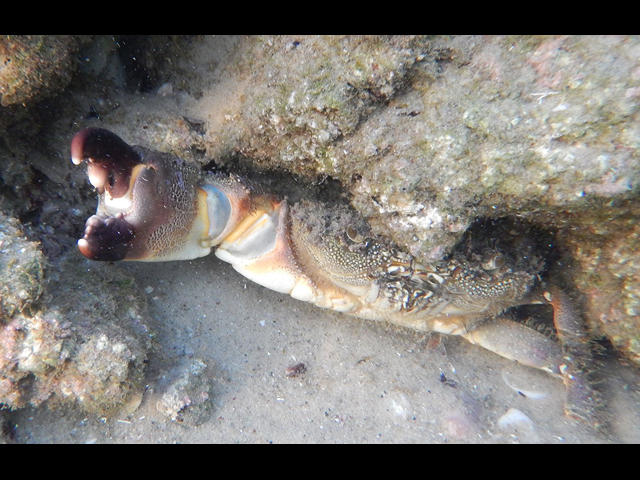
[21, 269]
[84, 343]
[33, 67]
[187, 394]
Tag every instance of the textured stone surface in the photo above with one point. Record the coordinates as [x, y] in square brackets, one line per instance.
[21, 269]
[77, 335]
[33, 67]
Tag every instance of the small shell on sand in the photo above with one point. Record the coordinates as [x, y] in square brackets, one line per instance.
[518, 425]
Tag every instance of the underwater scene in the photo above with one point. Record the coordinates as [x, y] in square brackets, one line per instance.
[319, 239]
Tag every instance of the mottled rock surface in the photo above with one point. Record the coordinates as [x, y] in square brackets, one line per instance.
[21, 269]
[77, 335]
[33, 67]
[187, 392]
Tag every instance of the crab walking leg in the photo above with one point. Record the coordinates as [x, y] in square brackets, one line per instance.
[517, 342]
[582, 400]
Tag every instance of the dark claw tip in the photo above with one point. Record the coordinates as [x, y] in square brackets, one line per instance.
[110, 158]
[106, 238]
[98, 145]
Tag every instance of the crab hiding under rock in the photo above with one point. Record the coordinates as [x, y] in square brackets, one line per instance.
[156, 207]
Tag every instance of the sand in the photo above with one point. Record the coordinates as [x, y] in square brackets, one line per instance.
[362, 381]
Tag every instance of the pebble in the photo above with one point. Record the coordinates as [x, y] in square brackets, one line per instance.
[519, 426]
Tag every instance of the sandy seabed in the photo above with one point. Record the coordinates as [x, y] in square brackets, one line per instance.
[362, 381]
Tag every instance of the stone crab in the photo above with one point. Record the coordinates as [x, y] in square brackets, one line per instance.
[156, 207]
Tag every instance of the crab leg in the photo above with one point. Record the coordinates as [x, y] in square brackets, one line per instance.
[569, 359]
[582, 400]
[259, 249]
[517, 342]
[263, 248]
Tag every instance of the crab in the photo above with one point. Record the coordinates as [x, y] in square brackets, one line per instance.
[155, 207]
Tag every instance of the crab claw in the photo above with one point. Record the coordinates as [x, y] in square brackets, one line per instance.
[111, 160]
[107, 238]
[150, 206]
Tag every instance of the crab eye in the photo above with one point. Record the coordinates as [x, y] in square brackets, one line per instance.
[354, 235]
[493, 264]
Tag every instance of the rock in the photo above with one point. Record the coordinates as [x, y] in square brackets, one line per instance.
[21, 269]
[84, 343]
[187, 392]
[33, 67]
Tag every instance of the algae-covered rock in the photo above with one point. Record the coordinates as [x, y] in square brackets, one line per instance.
[85, 342]
[187, 392]
[282, 100]
[426, 134]
[21, 269]
[607, 255]
[33, 67]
